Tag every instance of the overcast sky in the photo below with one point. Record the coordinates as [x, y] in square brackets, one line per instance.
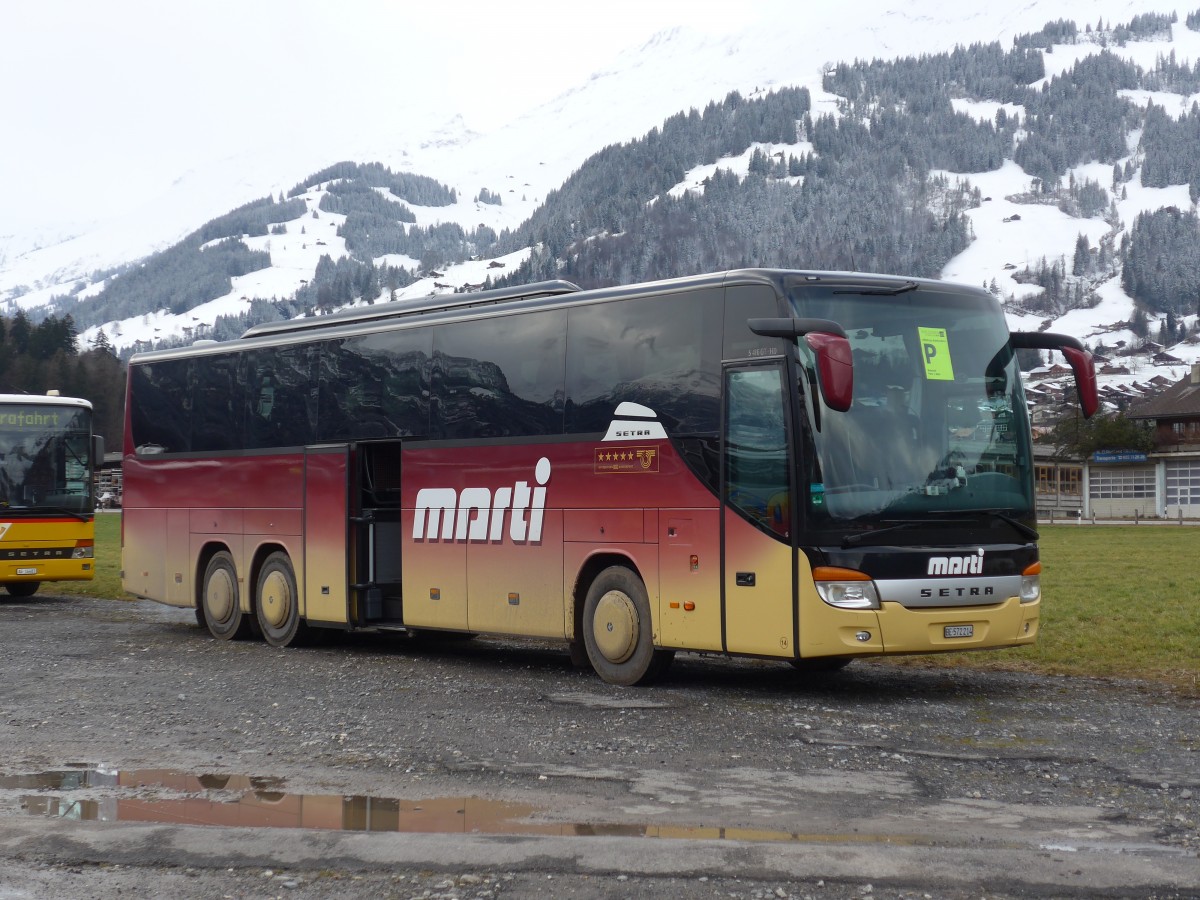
[105, 102]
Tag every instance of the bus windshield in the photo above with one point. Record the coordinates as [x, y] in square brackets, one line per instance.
[937, 432]
[44, 456]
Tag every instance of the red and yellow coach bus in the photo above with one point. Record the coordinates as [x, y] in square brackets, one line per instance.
[47, 457]
[809, 467]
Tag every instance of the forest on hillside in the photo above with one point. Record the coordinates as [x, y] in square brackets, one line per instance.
[865, 190]
[35, 359]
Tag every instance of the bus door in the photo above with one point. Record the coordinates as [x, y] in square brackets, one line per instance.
[326, 536]
[756, 516]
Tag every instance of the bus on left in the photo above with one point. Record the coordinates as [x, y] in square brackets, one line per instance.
[47, 459]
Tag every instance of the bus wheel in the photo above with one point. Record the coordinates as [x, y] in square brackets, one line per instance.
[22, 588]
[221, 600]
[617, 632]
[277, 602]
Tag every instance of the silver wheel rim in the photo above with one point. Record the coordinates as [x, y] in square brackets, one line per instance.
[615, 626]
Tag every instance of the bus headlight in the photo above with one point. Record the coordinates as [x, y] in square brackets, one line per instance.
[1031, 583]
[82, 551]
[1031, 588]
[846, 588]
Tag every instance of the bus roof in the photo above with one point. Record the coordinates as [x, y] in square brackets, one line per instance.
[403, 308]
[43, 400]
[512, 299]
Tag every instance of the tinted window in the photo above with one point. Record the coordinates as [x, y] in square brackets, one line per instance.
[160, 401]
[500, 377]
[749, 301]
[218, 397]
[661, 352]
[756, 448]
[375, 385]
[280, 406]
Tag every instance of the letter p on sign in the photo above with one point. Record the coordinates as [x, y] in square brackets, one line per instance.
[935, 352]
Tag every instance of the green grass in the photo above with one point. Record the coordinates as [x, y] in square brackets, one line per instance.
[1117, 601]
[107, 582]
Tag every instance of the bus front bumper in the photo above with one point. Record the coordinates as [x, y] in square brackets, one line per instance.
[896, 629]
[943, 630]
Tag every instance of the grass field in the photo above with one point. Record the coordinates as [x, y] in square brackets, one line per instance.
[1118, 601]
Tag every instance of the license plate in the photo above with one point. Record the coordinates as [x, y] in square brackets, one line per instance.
[953, 631]
[26, 571]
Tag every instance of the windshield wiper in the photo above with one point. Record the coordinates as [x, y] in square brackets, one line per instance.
[879, 291]
[853, 540]
[42, 510]
[1024, 530]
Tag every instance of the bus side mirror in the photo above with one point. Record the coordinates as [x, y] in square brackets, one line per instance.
[1084, 367]
[1078, 357]
[835, 368]
[828, 341]
[97, 449]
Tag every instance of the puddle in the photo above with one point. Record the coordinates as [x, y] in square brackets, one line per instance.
[169, 797]
[163, 796]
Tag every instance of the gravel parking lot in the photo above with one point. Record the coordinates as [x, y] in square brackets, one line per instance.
[141, 757]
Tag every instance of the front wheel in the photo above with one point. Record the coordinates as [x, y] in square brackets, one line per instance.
[617, 630]
[22, 588]
[221, 600]
[277, 603]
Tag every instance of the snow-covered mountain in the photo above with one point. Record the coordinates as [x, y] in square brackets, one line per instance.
[521, 161]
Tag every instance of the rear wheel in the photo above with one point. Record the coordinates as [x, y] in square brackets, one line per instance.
[221, 600]
[277, 603]
[617, 630]
[22, 588]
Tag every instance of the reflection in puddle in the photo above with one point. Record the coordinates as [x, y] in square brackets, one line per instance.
[162, 795]
[165, 796]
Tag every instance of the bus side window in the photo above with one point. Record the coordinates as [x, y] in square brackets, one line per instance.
[161, 416]
[216, 404]
[279, 407]
[660, 351]
[744, 302]
[375, 385]
[500, 377]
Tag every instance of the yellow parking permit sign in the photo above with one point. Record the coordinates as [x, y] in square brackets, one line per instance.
[935, 351]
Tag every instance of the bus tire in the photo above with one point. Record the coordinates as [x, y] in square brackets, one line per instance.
[221, 600]
[617, 630]
[277, 602]
[22, 588]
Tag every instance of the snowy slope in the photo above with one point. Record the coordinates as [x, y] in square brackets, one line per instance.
[522, 160]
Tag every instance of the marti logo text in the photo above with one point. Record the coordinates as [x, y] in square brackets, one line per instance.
[478, 513]
[957, 565]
